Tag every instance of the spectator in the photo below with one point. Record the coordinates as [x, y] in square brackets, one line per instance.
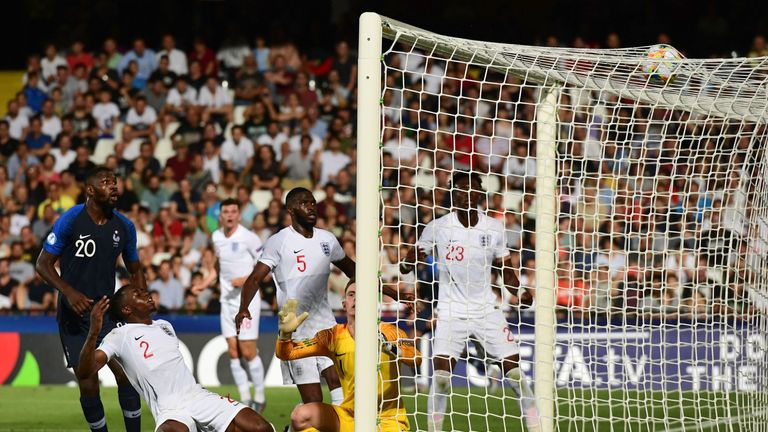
[196, 77]
[215, 102]
[177, 60]
[8, 144]
[78, 56]
[296, 169]
[6, 185]
[181, 97]
[277, 139]
[257, 119]
[332, 161]
[167, 228]
[112, 55]
[18, 124]
[265, 173]
[168, 287]
[237, 153]
[168, 182]
[20, 161]
[198, 176]
[21, 267]
[83, 124]
[205, 58]
[232, 54]
[106, 114]
[48, 174]
[307, 97]
[145, 60]
[212, 160]
[248, 210]
[228, 186]
[38, 142]
[51, 122]
[68, 86]
[164, 73]
[248, 82]
[156, 95]
[8, 287]
[330, 202]
[69, 186]
[345, 66]
[34, 94]
[180, 163]
[154, 196]
[759, 48]
[183, 200]
[82, 164]
[142, 117]
[50, 63]
[37, 296]
[279, 78]
[261, 54]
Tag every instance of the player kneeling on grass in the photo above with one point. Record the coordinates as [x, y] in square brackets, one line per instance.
[338, 344]
[149, 353]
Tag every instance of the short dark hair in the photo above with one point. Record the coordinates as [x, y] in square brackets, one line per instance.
[294, 193]
[461, 175]
[229, 202]
[116, 303]
[97, 172]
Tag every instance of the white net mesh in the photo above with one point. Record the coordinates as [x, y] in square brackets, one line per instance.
[662, 231]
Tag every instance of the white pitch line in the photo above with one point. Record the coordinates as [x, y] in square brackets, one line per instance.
[711, 423]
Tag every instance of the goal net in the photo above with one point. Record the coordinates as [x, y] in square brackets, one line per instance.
[634, 208]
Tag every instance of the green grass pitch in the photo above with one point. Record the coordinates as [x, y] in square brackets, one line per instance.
[56, 408]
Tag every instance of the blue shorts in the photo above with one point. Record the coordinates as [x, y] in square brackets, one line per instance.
[73, 330]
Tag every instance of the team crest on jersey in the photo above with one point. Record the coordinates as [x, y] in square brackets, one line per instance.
[326, 248]
[166, 330]
[51, 238]
[116, 239]
[485, 240]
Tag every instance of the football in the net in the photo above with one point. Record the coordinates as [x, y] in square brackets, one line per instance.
[660, 63]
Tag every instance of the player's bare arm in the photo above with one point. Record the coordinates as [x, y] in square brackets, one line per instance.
[250, 288]
[46, 269]
[91, 359]
[511, 282]
[138, 278]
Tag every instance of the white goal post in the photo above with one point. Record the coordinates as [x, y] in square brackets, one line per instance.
[635, 209]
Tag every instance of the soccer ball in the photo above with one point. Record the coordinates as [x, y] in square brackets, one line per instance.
[658, 62]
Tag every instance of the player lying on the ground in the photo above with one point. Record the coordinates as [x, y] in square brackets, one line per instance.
[338, 344]
[149, 353]
[464, 243]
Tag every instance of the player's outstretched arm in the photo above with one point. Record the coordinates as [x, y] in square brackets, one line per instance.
[347, 266]
[288, 322]
[250, 288]
[45, 268]
[138, 278]
[91, 359]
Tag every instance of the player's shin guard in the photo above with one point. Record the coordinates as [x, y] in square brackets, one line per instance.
[94, 413]
[241, 380]
[256, 368]
[519, 384]
[130, 402]
[438, 400]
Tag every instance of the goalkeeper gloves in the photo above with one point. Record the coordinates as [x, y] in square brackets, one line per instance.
[387, 346]
[288, 321]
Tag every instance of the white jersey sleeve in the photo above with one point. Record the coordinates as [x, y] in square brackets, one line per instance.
[426, 241]
[499, 242]
[111, 343]
[270, 253]
[337, 252]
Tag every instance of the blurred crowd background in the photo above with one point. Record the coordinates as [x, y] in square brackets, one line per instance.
[189, 121]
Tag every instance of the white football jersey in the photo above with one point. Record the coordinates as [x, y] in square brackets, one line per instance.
[300, 267]
[153, 363]
[464, 257]
[237, 255]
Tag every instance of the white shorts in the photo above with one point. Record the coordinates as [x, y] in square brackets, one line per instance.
[204, 411]
[249, 329]
[304, 371]
[491, 330]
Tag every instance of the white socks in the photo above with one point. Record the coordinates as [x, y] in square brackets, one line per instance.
[241, 380]
[438, 400]
[257, 376]
[522, 389]
[337, 396]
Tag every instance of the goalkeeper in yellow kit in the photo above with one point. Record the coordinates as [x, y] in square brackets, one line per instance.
[338, 344]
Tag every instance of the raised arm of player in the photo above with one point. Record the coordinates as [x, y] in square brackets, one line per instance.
[45, 267]
[250, 288]
[138, 278]
[91, 359]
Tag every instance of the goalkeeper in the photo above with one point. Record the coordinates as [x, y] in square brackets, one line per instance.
[338, 344]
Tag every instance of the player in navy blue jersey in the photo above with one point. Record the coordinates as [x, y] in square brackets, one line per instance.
[87, 241]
